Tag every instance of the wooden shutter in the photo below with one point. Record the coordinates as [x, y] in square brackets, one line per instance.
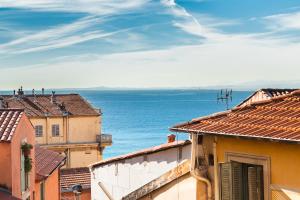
[225, 174]
[255, 183]
[237, 181]
[231, 181]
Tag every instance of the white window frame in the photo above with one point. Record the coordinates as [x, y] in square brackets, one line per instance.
[55, 130]
[38, 130]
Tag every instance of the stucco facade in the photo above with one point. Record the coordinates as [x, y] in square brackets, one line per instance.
[51, 187]
[77, 138]
[183, 188]
[10, 164]
[124, 176]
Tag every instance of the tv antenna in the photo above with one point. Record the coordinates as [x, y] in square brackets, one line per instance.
[225, 96]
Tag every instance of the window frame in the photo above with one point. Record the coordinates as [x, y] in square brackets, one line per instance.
[38, 129]
[55, 130]
[264, 161]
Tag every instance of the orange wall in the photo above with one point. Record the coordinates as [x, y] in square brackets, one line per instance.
[51, 187]
[5, 163]
[24, 132]
[85, 195]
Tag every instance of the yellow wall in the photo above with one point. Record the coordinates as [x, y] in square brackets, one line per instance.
[72, 129]
[84, 157]
[284, 157]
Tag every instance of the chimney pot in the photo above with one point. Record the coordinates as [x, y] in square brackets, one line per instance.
[171, 138]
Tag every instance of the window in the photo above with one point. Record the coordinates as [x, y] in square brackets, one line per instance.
[39, 131]
[55, 130]
[241, 181]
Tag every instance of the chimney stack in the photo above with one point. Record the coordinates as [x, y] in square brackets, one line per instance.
[171, 138]
[43, 91]
[1, 102]
[53, 98]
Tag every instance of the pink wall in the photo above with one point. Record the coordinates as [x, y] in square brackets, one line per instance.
[5, 165]
[24, 131]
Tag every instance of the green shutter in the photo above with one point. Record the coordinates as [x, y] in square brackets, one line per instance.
[237, 181]
[252, 181]
[23, 185]
[225, 175]
[260, 183]
[231, 181]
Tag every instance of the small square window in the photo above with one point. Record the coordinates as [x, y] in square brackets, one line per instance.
[39, 131]
[55, 130]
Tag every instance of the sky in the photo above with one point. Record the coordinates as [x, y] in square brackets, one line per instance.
[148, 43]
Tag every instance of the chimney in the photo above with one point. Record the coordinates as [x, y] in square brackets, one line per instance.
[171, 138]
[53, 98]
[1, 102]
[43, 91]
[20, 91]
[14, 93]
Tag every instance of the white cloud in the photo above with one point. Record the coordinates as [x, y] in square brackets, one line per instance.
[98, 7]
[283, 22]
[201, 65]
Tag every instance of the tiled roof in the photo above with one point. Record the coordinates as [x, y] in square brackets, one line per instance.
[73, 176]
[42, 105]
[265, 94]
[9, 119]
[46, 161]
[150, 150]
[277, 118]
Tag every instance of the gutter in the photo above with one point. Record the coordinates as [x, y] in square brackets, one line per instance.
[194, 170]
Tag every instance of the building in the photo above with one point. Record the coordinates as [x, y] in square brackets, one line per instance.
[118, 177]
[265, 94]
[251, 152]
[16, 167]
[65, 123]
[75, 176]
[47, 173]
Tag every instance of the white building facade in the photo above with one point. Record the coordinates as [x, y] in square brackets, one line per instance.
[119, 176]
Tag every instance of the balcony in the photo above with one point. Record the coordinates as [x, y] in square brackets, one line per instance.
[104, 139]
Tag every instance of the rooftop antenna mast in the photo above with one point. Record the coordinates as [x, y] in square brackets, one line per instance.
[225, 96]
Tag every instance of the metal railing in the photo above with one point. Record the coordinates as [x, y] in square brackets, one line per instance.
[104, 138]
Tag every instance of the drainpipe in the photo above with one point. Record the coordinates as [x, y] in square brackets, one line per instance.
[216, 175]
[193, 169]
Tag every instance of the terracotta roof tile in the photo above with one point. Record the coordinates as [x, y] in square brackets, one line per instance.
[73, 176]
[9, 119]
[46, 161]
[41, 105]
[277, 118]
[150, 150]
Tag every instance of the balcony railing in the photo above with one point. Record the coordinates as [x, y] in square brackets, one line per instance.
[104, 139]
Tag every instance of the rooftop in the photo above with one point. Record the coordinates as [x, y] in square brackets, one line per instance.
[41, 105]
[277, 119]
[9, 119]
[150, 150]
[266, 93]
[46, 161]
[73, 176]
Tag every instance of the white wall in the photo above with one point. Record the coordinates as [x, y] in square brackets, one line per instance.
[121, 178]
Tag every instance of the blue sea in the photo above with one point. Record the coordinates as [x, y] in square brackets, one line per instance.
[139, 119]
